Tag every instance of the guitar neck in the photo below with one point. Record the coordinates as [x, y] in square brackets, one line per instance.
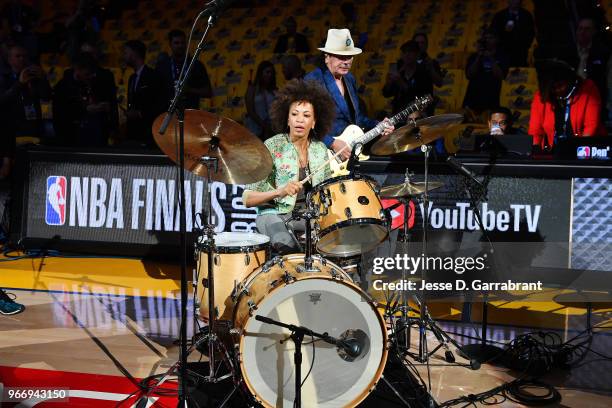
[380, 127]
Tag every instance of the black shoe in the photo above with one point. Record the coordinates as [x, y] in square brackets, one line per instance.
[8, 306]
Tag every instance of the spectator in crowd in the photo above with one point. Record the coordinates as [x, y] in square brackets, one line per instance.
[335, 76]
[146, 97]
[291, 41]
[515, 29]
[82, 106]
[500, 121]
[592, 57]
[83, 26]
[104, 77]
[564, 106]
[485, 70]
[18, 20]
[349, 20]
[292, 67]
[258, 99]
[169, 68]
[408, 80]
[431, 65]
[22, 87]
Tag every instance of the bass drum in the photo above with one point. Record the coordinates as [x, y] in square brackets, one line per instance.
[324, 301]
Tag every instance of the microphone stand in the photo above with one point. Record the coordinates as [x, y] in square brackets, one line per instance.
[297, 335]
[177, 107]
[481, 352]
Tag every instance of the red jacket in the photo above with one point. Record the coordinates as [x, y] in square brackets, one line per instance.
[585, 111]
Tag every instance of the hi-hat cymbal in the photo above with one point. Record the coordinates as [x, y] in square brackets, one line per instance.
[411, 136]
[241, 157]
[408, 189]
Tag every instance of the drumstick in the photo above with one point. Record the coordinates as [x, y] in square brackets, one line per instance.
[321, 167]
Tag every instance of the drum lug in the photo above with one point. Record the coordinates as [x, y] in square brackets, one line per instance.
[247, 259]
[252, 307]
[217, 260]
[288, 278]
[348, 213]
[342, 188]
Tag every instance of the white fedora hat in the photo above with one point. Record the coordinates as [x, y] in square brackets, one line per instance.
[339, 42]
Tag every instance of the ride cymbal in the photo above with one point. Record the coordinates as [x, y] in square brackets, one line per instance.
[241, 157]
[413, 135]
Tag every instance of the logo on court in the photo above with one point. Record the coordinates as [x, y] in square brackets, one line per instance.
[55, 213]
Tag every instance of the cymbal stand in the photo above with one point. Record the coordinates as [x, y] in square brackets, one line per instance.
[211, 164]
[425, 321]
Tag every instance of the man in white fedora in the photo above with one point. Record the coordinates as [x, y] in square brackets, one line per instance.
[339, 51]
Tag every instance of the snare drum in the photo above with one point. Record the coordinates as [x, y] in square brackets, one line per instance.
[351, 218]
[237, 255]
[324, 301]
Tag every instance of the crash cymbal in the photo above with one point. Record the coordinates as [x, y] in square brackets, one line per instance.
[411, 136]
[242, 157]
[408, 189]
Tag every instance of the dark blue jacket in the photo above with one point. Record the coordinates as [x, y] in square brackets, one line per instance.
[343, 116]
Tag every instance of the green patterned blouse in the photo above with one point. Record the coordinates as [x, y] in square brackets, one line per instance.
[285, 167]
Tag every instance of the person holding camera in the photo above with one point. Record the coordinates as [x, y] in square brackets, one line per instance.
[22, 87]
[485, 70]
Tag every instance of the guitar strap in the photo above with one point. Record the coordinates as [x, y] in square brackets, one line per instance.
[352, 104]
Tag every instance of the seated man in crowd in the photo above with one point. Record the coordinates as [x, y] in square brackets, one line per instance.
[565, 106]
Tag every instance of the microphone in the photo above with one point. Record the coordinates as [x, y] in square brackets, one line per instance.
[461, 169]
[215, 6]
[352, 347]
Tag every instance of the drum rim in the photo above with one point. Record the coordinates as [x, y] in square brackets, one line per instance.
[348, 223]
[332, 180]
[221, 249]
[373, 305]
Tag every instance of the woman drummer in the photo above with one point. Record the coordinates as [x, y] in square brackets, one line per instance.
[305, 111]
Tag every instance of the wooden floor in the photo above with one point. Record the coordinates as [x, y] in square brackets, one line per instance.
[112, 317]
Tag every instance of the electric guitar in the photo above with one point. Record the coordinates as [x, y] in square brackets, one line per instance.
[353, 135]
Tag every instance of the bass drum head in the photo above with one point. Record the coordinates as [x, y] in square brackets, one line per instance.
[351, 238]
[322, 305]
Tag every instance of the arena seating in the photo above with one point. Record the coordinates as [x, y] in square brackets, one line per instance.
[243, 37]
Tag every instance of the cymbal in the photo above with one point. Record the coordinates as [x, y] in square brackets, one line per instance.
[241, 157]
[406, 138]
[408, 189]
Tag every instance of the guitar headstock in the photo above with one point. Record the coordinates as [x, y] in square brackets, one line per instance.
[421, 102]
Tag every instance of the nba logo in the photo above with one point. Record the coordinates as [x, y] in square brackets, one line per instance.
[55, 213]
[583, 152]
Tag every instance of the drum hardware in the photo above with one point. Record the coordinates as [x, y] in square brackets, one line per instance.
[176, 149]
[409, 139]
[349, 348]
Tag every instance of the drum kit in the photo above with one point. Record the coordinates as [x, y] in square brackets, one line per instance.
[264, 314]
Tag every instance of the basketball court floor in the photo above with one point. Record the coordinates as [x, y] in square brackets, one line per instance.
[96, 326]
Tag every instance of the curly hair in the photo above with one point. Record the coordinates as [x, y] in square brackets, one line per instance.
[298, 90]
